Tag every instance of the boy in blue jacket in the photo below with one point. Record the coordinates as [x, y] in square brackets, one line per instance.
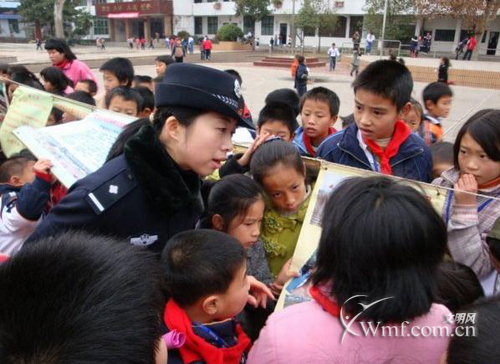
[379, 140]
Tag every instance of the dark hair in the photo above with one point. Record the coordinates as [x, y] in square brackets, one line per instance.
[82, 96]
[127, 93]
[142, 79]
[165, 59]
[278, 111]
[446, 61]
[13, 166]
[494, 245]
[80, 298]
[347, 120]
[434, 91]
[57, 79]
[273, 153]
[128, 132]
[57, 114]
[457, 285]
[325, 95]
[91, 84]
[201, 262]
[481, 344]
[483, 127]
[148, 97]
[388, 79]
[235, 74]
[158, 79]
[442, 152]
[122, 68]
[286, 96]
[4, 68]
[366, 248]
[300, 58]
[61, 46]
[21, 74]
[418, 107]
[231, 197]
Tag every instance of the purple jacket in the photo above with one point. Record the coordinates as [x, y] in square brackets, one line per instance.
[305, 333]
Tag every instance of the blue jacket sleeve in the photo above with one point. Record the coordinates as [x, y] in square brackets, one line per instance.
[32, 199]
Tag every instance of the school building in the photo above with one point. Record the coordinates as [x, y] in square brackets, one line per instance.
[11, 26]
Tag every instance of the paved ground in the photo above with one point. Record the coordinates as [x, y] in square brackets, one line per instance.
[259, 81]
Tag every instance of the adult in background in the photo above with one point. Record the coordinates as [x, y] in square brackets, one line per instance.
[471, 45]
[63, 58]
[333, 53]
[370, 38]
[207, 46]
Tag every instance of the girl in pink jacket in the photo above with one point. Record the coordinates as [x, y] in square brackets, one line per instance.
[63, 58]
[373, 286]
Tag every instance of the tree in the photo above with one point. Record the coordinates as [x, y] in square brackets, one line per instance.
[315, 16]
[255, 10]
[229, 33]
[58, 18]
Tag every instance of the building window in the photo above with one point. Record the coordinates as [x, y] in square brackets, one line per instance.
[248, 25]
[340, 27]
[198, 1]
[267, 27]
[198, 25]
[14, 25]
[101, 26]
[356, 25]
[444, 35]
[212, 24]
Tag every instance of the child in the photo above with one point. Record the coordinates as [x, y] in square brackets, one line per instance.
[279, 169]
[117, 72]
[347, 120]
[161, 64]
[319, 111]
[55, 117]
[148, 101]
[124, 100]
[79, 298]
[379, 140]
[143, 81]
[414, 118]
[80, 96]
[470, 217]
[274, 119]
[355, 62]
[55, 81]
[333, 53]
[89, 86]
[443, 70]
[206, 280]
[442, 158]
[285, 96]
[24, 194]
[493, 241]
[301, 76]
[437, 101]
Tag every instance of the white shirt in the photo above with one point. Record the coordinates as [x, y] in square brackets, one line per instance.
[371, 158]
[333, 52]
[370, 38]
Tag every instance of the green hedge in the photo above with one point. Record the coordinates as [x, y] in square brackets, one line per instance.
[229, 33]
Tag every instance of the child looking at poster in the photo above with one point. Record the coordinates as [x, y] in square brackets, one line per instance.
[124, 100]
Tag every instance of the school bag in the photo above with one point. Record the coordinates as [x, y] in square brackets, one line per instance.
[179, 53]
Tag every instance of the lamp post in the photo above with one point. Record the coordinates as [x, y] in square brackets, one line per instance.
[382, 38]
[292, 30]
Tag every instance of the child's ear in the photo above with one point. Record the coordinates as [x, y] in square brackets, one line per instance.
[145, 113]
[405, 110]
[428, 104]
[15, 181]
[333, 120]
[218, 222]
[210, 305]
[292, 137]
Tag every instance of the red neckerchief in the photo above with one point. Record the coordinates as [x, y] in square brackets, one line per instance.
[490, 184]
[324, 301]
[196, 348]
[63, 64]
[307, 141]
[401, 133]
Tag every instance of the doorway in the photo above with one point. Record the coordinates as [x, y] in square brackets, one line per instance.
[283, 33]
[493, 43]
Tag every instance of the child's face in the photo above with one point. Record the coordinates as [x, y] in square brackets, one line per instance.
[247, 228]
[286, 188]
[473, 160]
[120, 105]
[110, 81]
[316, 120]
[161, 67]
[82, 86]
[213, 131]
[47, 85]
[55, 57]
[233, 301]
[375, 115]
[441, 108]
[413, 119]
[276, 127]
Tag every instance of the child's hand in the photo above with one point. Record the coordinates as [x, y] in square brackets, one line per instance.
[283, 277]
[43, 166]
[245, 158]
[259, 293]
[465, 186]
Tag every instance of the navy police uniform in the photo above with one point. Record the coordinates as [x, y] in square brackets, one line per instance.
[143, 195]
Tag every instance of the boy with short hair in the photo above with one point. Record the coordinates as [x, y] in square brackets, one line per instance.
[161, 64]
[380, 140]
[80, 96]
[143, 81]
[124, 100]
[301, 75]
[442, 158]
[206, 280]
[78, 298]
[286, 96]
[333, 53]
[275, 118]
[319, 111]
[88, 86]
[148, 99]
[117, 72]
[24, 192]
[437, 101]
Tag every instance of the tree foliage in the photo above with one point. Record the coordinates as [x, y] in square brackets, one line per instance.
[256, 10]
[229, 33]
[399, 25]
[315, 16]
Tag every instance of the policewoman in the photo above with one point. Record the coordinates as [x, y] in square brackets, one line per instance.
[152, 191]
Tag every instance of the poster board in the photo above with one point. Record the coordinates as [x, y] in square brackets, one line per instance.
[330, 176]
[78, 148]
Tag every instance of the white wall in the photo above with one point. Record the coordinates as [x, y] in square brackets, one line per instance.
[5, 30]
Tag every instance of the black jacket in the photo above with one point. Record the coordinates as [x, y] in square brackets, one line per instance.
[141, 196]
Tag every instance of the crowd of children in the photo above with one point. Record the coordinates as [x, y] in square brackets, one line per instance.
[148, 258]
